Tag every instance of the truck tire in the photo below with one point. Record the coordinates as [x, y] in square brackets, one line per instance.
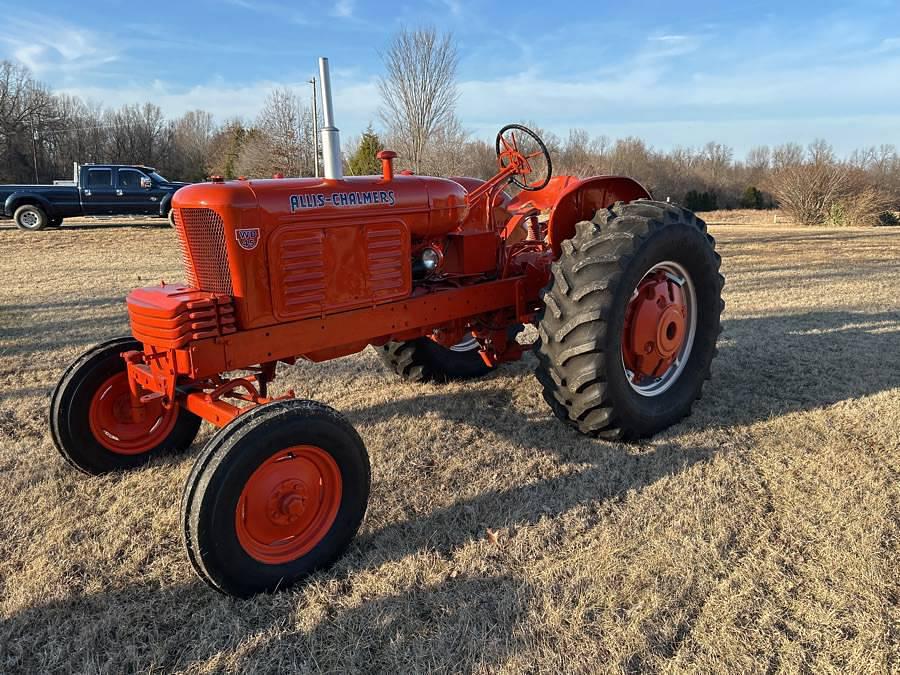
[31, 217]
[276, 495]
[88, 421]
[424, 360]
[630, 320]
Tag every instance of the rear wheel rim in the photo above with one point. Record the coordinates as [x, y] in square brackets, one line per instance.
[113, 424]
[467, 344]
[659, 329]
[288, 504]
[29, 219]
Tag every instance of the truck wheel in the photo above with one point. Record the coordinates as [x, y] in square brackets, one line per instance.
[170, 216]
[424, 360]
[276, 495]
[630, 322]
[31, 217]
[91, 421]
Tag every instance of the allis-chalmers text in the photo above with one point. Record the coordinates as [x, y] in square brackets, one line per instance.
[342, 199]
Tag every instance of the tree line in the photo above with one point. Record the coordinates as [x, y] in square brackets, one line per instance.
[42, 133]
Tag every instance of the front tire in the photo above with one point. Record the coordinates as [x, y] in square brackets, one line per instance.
[276, 495]
[424, 360]
[91, 422]
[630, 322]
[31, 217]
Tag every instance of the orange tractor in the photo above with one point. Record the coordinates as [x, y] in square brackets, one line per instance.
[439, 275]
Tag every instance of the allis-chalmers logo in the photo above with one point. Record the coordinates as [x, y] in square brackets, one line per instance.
[342, 199]
[247, 238]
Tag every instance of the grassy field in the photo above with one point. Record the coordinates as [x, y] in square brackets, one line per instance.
[759, 535]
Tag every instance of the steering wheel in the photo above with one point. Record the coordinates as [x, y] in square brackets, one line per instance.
[521, 147]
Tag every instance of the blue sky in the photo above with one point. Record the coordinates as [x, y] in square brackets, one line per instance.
[674, 73]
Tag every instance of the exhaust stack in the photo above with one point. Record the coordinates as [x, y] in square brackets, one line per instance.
[331, 135]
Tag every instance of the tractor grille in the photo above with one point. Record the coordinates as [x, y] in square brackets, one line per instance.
[201, 234]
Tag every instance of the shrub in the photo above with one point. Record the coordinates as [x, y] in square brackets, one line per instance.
[864, 207]
[809, 192]
[889, 218]
[752, 199]
[701, 201]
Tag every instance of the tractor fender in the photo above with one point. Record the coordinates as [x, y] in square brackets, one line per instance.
[16, 199]
[580, 199]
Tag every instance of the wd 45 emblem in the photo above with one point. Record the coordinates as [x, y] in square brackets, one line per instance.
[247, 238]
[342, 199]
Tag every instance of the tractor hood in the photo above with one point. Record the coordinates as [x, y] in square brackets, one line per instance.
[431, 206]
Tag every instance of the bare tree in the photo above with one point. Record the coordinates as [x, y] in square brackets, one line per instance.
[716, 160]
[789, 154]
[576, 156]
[192, 145]
[443, 154]
[418, 90]
[24, 106]
[759, 158]
[821, 152]
[279, 142]
[809, 191]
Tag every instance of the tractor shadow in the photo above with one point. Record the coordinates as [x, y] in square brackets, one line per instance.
[470, 620]
[191, 627]
[766, 367]
[771, 366]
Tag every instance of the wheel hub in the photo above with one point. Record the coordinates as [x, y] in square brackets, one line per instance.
[656, 326]
[287, 502]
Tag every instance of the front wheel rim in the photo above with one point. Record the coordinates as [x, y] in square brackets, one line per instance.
[288, 504]
[659, 329]
[112, 419]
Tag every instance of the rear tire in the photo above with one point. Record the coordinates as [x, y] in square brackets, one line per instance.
[31, 217]
[276, 495]
[424, 360]
[88, 415]
[593, 287]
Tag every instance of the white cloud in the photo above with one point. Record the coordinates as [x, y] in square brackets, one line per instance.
[343, 9]
[454, 6]
[750, 87]
[889, 45]
[356, 103]
[50, 46]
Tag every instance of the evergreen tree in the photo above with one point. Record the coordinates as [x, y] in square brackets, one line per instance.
[701, 201]
[363, 161]
[752, 199]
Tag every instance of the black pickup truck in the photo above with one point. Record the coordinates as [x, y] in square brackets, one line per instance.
[98, 189]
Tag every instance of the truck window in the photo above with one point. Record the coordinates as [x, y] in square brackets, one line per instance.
[99, 178]
[129, 178]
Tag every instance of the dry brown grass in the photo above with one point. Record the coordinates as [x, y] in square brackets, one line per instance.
[760, 217]
[759, 535]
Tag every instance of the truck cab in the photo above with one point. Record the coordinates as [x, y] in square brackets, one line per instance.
[108, 189]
